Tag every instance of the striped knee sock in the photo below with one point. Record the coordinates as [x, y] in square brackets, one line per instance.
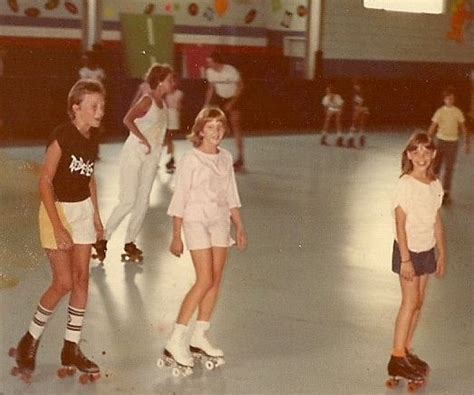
[39, 321]
[74, 324]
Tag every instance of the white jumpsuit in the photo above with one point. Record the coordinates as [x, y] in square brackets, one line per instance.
[138, 171]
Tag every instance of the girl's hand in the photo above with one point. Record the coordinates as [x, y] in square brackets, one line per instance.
[63, 239]
[176, 247]
[241, 239]
[440, 267]
[147, 145]
[99, 228]
[407, 271]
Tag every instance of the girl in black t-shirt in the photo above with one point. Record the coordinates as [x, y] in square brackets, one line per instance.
[69, 224]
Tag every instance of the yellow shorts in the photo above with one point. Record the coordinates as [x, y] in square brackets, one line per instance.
[77, 218]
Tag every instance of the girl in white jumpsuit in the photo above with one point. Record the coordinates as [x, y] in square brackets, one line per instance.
[147, 122]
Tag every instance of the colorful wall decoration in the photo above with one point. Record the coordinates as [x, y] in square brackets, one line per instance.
[462, 15]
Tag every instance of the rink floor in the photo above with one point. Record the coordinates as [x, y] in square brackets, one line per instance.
[308, 308]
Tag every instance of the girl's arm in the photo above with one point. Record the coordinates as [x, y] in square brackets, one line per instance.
[241, 235]
[97, 221]
[137, 111]
[209, 93]
[407, 271]
[50, 166]
[176, 247]
[432, 129]
[441, 246]
[467, 145]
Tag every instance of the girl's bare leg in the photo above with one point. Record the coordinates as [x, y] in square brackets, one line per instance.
[423, 284]
[208, 303]
[410, 301]
[202, 260]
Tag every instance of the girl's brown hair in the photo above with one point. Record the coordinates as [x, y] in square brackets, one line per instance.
[205, 115]
[418, 138]
[79, 90]
[157, 73]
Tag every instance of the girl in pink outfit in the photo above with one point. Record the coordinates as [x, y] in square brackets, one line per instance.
[204, 204]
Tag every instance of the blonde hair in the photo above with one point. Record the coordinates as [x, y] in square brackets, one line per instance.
[79, 90]
[419, 137]
[205, 115]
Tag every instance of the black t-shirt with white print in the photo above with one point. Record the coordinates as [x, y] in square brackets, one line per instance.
[76, 166]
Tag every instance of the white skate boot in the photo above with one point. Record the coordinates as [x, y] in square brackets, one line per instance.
[202, 350]
[176, 354]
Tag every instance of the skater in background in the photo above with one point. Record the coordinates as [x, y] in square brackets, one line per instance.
[69, 223]
[147, 121]
[360, 113]
[204, 203]
[333, 104]
[174, 100]
[91, 68]
[224, 90]
[419, 249]
[447, 123]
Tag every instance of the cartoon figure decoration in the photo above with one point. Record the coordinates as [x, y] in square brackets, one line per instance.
[51, 4]
[250, 17]
[13, 4]
[209, 14]
[222, 6]
[287, 18]
[302, 11]
[193, 9]
[149, 9]
[462, 15]
[32, 12]
[71, 7]
[169, 8]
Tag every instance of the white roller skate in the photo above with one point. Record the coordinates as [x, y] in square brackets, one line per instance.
[176, 354]
[202, 350]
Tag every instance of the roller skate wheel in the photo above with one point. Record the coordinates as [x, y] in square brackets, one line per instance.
[15, 371]
[412, 387]
[209, 365]
[62, 373]
[12, 352]
[220, 362]
[392, 383]
[160, 363]
[175, 372]
[84, 378]
[94, 377]
[188, 371]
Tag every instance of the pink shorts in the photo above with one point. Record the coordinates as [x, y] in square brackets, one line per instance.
[204, 235]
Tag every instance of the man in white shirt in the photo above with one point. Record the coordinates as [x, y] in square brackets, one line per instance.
[224, 90]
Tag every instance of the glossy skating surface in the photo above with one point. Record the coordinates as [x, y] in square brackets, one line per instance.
[308, 308]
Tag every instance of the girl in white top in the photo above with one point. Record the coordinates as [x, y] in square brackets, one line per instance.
[147, 122]
[332, 104]
[204, 203]
[419, 249]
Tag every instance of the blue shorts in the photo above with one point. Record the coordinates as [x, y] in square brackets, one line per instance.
[423, 262]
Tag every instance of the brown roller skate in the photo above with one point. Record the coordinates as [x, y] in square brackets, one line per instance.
[25, 355]
[132, 253]
[72, 358]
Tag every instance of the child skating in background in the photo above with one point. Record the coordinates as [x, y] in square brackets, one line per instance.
[360, 113]
[204, 203]
[174, 101]
[147, 122]
[69, 223]
[332, 104]
[446, 123]
[418, 251]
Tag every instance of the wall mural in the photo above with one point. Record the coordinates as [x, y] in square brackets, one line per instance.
[49, 8]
